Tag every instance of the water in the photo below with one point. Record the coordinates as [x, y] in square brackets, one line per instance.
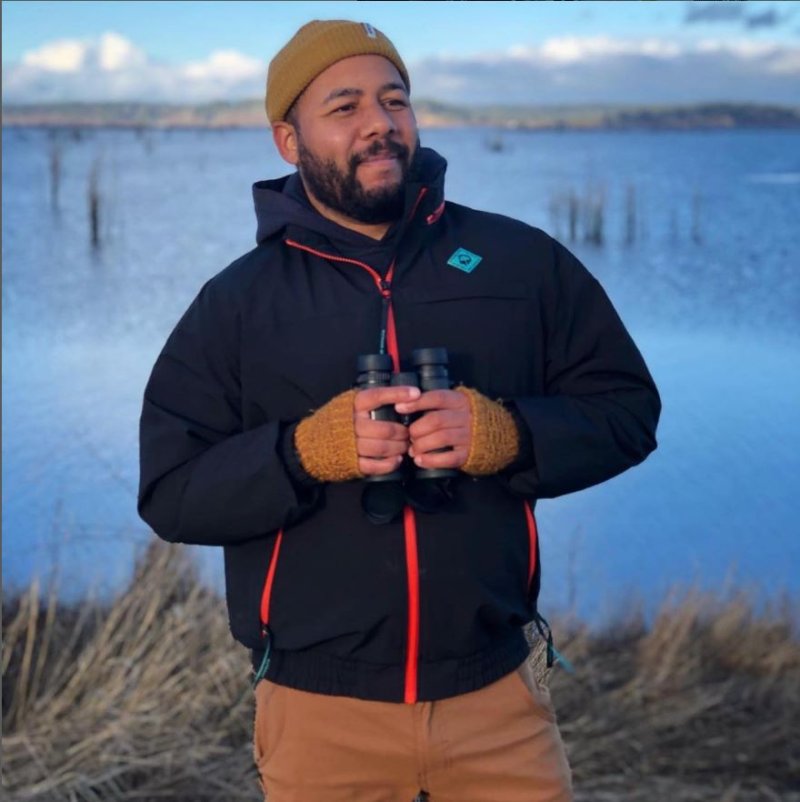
[700, 255]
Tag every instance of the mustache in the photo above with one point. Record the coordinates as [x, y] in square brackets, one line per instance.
[386, 147]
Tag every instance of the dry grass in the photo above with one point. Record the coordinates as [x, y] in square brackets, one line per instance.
[703, 705]
[147, 698]
[144, 699]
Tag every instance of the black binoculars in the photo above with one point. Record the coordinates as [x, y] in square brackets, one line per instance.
[424, 488]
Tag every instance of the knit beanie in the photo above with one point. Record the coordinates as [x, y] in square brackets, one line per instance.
[314, 48]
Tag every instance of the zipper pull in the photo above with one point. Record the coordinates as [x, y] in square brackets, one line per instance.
[386, 295]
[264, 667]
[559, 658]
[553, 655]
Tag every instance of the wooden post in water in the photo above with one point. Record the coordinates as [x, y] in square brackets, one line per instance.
[94, 203]
[630, 214]
[697, 237]
[596, 214]
[55, 172]
[573, 215]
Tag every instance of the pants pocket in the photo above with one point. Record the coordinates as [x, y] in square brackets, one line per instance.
[536, 694]
[261, 746]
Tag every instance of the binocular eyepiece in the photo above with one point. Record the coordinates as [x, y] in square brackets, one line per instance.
[384, 496]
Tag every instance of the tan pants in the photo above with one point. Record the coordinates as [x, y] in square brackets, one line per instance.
[498, 744]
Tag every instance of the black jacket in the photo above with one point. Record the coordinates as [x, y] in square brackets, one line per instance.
[432, 605]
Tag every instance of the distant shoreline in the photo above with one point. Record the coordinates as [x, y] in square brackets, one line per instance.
[430, 114]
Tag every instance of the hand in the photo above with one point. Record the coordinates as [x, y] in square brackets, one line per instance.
[447, 423]
[380, 445]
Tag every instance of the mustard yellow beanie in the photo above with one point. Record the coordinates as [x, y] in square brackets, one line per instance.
[312, 50]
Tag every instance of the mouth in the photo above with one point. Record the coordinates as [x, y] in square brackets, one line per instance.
[380, 162]
[386, 157]
[385, 154]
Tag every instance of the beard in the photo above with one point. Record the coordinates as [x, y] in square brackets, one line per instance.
[343, 192]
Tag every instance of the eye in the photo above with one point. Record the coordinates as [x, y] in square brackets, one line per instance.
[395, 102]
[344, 109]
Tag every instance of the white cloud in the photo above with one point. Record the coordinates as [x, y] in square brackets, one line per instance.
[786, 64]
[742, 48]
[112, 67]
[573, 49]
[567, 69]
[114, 52]
[225, 65]
[65, 55]
[599, 69]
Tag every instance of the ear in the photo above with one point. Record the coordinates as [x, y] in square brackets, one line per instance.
[285, 138]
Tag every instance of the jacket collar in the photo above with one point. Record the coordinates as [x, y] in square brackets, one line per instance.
[282, 208]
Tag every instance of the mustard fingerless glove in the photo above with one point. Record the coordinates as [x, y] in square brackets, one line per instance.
[326, 441]
[495, 437]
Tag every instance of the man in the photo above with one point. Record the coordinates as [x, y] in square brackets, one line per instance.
[390, 657]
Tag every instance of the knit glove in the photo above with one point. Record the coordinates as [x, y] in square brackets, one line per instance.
[326, 441]
[495, 436]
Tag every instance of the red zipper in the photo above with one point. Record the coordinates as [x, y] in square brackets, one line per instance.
[391, 334]
[266, 593]
[422, 193]
[533, 536]
[376, 276]
[412, 569]
[409, 517]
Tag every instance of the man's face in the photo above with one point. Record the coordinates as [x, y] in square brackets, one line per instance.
[356, 136]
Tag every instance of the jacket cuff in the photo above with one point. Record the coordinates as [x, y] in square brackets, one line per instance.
[298, 475]
[525, 455]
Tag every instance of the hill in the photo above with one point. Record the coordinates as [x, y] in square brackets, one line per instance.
[250, 114]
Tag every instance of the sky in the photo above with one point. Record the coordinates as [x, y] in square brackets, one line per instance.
[556, 52]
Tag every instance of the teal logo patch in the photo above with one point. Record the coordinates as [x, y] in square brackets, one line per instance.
[465, 260]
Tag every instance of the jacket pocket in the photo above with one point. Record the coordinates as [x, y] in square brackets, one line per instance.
[492, 335]
[532, 587]
[465, 288]
[269, 581]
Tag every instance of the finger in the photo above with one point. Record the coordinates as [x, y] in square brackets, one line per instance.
[378, 467]
[366, 447]
[434, 399]
[439, 419]
[374, 397]
[380, 430]
[445, 459]
[444, 438]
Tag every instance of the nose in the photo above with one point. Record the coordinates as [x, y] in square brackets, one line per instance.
[378, 121]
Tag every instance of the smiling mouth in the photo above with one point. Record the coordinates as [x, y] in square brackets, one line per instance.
[380, 157]
[383, 152]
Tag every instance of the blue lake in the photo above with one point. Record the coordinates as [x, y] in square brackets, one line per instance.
[700, 255]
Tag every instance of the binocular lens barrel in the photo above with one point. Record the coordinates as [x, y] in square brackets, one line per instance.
[431, 366]
[375, 370]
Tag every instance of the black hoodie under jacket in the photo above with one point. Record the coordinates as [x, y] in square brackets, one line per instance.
[432, 604]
